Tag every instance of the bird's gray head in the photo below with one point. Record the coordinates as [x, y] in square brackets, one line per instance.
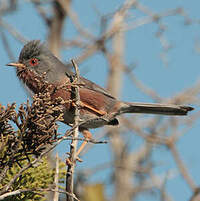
[37, 57]
[33, 49]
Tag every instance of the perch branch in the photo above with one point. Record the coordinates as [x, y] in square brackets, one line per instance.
[73, 146]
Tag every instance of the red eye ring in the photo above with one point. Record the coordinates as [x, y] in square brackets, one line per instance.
[33, 62]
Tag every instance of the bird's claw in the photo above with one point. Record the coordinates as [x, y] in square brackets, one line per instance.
[69, 161]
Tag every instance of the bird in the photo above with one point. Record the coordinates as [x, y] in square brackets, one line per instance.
[97, 108]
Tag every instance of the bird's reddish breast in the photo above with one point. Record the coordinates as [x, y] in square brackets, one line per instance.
[29, 78]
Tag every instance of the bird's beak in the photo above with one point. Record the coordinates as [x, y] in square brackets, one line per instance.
[17, 65]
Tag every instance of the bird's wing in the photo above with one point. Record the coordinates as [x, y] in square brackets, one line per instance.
[92, 86]
[89, 84]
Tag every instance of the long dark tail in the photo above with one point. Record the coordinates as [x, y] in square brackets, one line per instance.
[154, 108]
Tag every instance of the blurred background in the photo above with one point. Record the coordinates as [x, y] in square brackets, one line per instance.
[142, 51]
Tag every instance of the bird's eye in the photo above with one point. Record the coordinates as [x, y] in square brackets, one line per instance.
[33, 62]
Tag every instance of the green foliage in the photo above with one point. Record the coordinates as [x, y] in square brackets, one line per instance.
[40, 176]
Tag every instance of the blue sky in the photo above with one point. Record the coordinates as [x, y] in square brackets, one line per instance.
[142, 48]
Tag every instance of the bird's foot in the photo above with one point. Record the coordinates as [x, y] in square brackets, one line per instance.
[69, 161]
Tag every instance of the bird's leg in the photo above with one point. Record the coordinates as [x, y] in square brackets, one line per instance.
[88, 136]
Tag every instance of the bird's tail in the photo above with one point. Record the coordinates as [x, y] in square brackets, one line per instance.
[154, 108]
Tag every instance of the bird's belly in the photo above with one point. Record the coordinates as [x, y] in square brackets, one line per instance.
[94, 122]
[86, 120]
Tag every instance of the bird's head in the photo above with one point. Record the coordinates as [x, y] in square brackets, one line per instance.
[35, 56]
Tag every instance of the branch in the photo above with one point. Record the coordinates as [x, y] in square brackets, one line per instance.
[56, 26]
[13, 31]
[56, 179]
[183, 170]
[73, 146]
[74, 18]
[17, 192]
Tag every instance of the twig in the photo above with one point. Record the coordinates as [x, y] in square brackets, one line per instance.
[41, 11]
[56, 27]
[17, 192]
[183, 170]
[7, 46]
[73, 146]
[74, 18]
[56, 179]
[196, 195]
[140, 85]
[13, 31]
[7, 6]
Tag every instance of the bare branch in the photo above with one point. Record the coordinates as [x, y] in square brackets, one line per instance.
[13, 31]
[6, 195]
[56, 27]
[56, 194]
[182, 168]
[73, 145]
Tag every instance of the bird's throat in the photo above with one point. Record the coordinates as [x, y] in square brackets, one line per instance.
[31, 80]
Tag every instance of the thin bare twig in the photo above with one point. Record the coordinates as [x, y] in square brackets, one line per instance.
[7, 46]
[6, 195]
[56, 179]
[13, 31]
[182, 167]
[56, 26]
[74, 18]
[73, 145]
